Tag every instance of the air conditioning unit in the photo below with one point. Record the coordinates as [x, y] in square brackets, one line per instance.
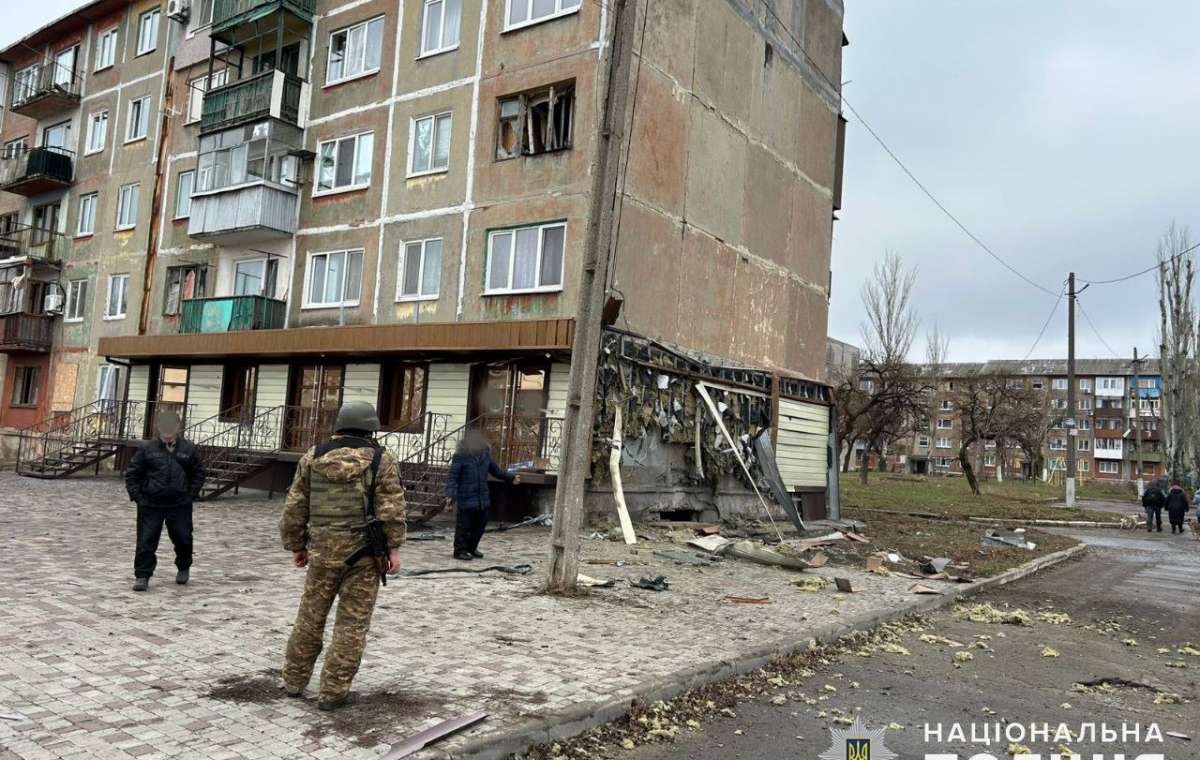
[53, 303]
[179, 10]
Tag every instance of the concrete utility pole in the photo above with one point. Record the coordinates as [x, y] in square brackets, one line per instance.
[1137, 422]
[1072, 425]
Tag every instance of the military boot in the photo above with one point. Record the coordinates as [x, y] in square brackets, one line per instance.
[332, 703]
[141, 584]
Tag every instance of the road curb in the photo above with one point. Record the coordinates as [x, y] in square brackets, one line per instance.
[567, 723]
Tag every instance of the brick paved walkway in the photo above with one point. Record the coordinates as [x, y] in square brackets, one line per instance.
[96, 671]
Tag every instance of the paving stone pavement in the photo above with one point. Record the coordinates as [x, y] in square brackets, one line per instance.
[96, 671]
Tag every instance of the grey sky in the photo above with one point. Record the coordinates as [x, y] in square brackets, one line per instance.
[1062, 133]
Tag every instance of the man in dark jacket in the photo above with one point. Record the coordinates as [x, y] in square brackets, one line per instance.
[163, 478]
[467, 489]
[1177, 506]
[1152, 501]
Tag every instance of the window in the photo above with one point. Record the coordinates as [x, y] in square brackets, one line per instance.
[1058, 444]
[15, 148]
[87, 215]
[148, 32]
[334, 279]
[64, 68]
[196, 90]
[402, 397]
[172, 386]
[248, 154]
[536, 122]
[345, 163]
[25, 386]
[941, 462]
[127, 206]
[1085, 384]
[183, 283]
[439, 26]
[355, 51]
[945, 424]
[519, 13]
[1037, 385]
[420, 270]
[76, 305]
[106, 49]
[1085, 424]
[117, 300]
[947, 405]
[1085, 404]
[866, 384]
[429, 148]
[1016, 383]
[1084, 465]
[1058, 403]
[45, 221]
[923, 442]
[183, 194]
[239, 383]
[989, 460]
[202, 15]
[524, 259]
[25, 84]
[1110, 383]
[1108, 444]
[943, 443]
[108, 382]
[97, 135]
[137, 120]
[1083, 444]
[1059, 383]
[1108, 468]
[255, 277]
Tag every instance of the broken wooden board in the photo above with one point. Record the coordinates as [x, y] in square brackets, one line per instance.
[921, 588]
[747, 600]
[420, 741]
[856, 537]
[818, 560]
[844, 585]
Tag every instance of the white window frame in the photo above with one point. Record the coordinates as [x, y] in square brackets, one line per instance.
[948, 426]
[434, 119]
[93, 117]
[1085, 384]
[1059, 384]
[509, 289]
[110, 370]
[76, 301]
[143, 112]
[1084, 465]
[106, 57]
[123, 194]
[1083, 444]
[155, 17]
[559, 12]
[307, 303]
[1108, 467]
[922, 442]
[266, 262]
[179, 195]
[197, 88]
[366, 27]
[353, 186]
[108, 294]
[942, 443]
[90, 217]
[419, 295]
[442, 46]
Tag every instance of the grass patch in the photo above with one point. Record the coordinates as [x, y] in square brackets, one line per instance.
[952, 497]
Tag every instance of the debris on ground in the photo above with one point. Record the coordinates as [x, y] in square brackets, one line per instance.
[657, 583]
[1177, 735]
[779, 700]
[1169, 698]
[747, 599]
[1015, 749]
[930, 638]
[844, 585]
[586, 581]
[934, 565]
[1130, 642]
[1189, 650]
[1001, 537]
[506, 569]
[685, 558]
[711, 544]
[986, 613]
[419, 741]
[753, 552]
[811, 583]
[1054, 618]
[818, 560]
[892, 647]
[921, 588]
[875, 565]
[961, 657]
[1049, 652]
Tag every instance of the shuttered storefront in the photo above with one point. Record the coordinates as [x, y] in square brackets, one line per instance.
[803, 442]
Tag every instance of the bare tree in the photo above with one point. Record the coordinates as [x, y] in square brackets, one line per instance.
[1177, 349]
[937, 351]
[989, 407]
[1029, 425]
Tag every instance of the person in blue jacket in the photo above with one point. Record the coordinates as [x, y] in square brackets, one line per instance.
[467, 489]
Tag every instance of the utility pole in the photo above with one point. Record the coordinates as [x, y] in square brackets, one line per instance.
[1072, 426]
[1137, 422]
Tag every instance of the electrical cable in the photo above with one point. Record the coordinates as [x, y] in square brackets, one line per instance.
[1147, 270]
[1038, 339]
[1093, 326]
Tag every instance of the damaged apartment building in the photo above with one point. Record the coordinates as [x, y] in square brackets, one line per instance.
[253, 211]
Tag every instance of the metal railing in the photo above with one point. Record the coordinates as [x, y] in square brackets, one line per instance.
[227, 13]
[47, 78]
[523, 439]
[231, 313]
[26, 332]
[26, 240]
[411, 438]
[251, 99]
[49, 162]
[239, 430]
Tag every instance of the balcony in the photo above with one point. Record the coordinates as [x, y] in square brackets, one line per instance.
[23, 241]
[36, 171]
[45, 90]
[26, 333]
[243, 215]
[271, 94]
[230, 14]
[231, 313]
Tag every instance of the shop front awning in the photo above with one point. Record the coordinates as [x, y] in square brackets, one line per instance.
[348, 341]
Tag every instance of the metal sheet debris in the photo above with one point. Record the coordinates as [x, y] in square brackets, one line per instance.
[507, 569]
[420, 741]
[544, 520]
[765, 453]
[711, 544]
[752, 552]
[844, 585]
[921, 588]
[818, 560]
[657, 583]
[1000, 537]
[588, 581]
[687, 558]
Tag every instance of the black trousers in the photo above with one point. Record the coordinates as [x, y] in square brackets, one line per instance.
[468, 529]
[149, 528]
[1153, 514]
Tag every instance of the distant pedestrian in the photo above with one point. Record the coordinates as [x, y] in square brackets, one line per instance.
[1152, 501]
[1177, 506]
[467, 489]
[163, 478]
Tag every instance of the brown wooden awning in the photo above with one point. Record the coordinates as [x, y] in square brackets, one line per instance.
[355, 340]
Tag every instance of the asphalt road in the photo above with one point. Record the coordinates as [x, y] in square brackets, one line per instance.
[1129, 596]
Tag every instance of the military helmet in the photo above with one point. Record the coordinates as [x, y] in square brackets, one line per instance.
[358, 416]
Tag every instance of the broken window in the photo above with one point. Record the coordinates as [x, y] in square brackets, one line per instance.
[183, 284]
[539, 121]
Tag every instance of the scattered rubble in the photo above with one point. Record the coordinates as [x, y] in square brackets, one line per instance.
[986, 613]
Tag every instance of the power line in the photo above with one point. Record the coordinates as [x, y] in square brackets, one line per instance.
[1092, 325]
[1144, 271]
[1038, 339]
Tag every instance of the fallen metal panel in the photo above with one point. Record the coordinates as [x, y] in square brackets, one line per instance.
[430, 735]
[765, 454]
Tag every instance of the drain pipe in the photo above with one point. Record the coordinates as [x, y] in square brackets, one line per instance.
[157, 199]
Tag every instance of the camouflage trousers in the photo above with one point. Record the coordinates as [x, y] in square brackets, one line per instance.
[356, 589]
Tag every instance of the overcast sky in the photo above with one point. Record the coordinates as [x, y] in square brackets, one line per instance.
[1063, 133]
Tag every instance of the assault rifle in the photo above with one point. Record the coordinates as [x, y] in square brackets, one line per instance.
[377, 541]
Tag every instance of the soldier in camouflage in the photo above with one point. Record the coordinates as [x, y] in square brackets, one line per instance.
[322, 525]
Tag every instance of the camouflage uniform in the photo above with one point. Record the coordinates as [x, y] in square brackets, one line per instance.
[324, 514]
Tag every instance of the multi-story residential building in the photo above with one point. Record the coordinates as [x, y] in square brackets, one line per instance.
[1104, 431]
[255, 210]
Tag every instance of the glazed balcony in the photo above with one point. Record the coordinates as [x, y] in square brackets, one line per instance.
[228, 15]
[44, 91]
[271, 94]
[244, 214]
[21, 332]
[37, 170]
[231, 313]
[24, 241]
